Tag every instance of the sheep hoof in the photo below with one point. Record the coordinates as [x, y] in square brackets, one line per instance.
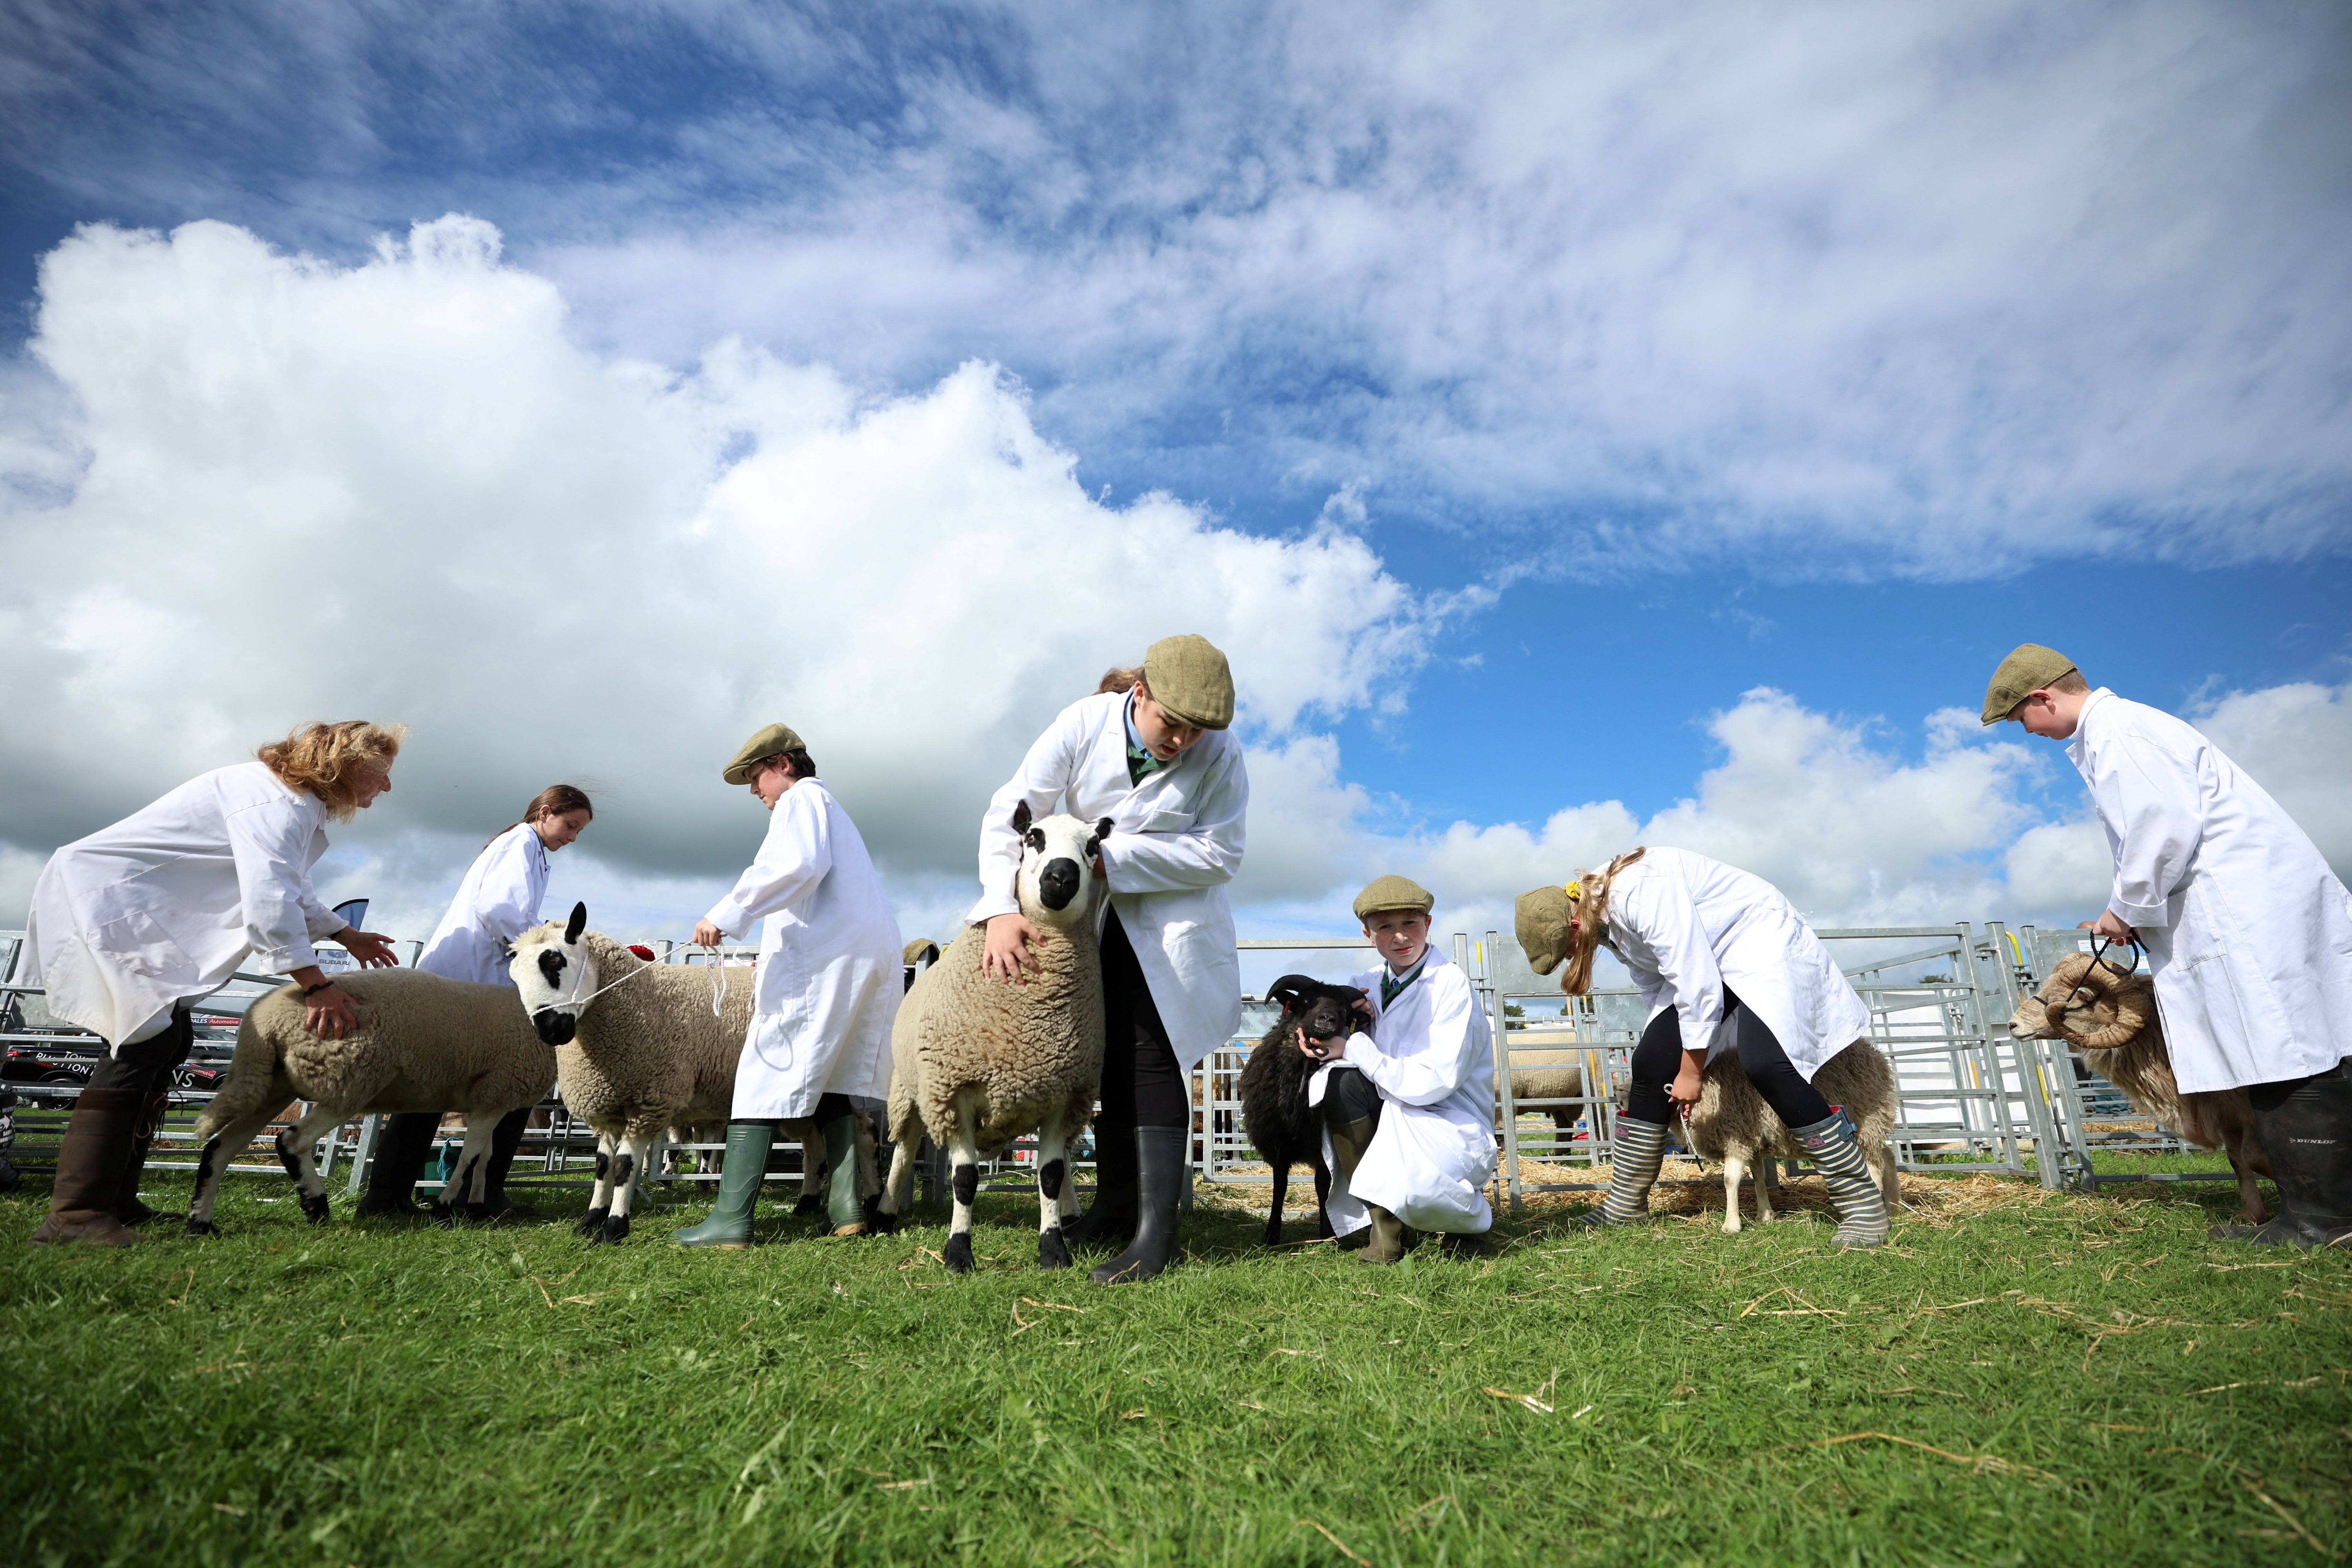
[615, 1228]
[810, 1204]
[958, 1253]
[1052, 1253]
[314, 1207]
[1273, 1232]
[444, 1214]
[590, 1223]
[202, 1227]
[883, 1222]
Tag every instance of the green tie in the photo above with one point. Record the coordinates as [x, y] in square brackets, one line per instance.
[1392, 986]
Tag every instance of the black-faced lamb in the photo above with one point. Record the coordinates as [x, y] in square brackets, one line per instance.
[1732, 1124]
[2108, 1013]
[643, 1047]
[1284, 1129]
[423, 1042]
[977, 1061]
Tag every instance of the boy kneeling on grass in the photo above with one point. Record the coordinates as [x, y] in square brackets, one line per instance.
[1409, 1100]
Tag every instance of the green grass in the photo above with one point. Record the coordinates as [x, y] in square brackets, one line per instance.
[2090, 1380]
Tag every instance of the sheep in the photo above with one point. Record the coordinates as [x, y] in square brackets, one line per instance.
[1284, 1129]
[643, 1049]
[1562, 1082]
[977, 1061]
[2110, 1015]
[1732, 1124]
[423, 1042]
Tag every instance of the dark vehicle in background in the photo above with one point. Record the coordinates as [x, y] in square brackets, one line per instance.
[47, 1062]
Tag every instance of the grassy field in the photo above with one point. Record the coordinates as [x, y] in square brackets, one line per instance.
[2020, 1377]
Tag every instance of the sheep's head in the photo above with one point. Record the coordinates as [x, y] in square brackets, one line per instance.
[1326, 1011]
[554, 969]
[1061, 867]
[2095, 1004]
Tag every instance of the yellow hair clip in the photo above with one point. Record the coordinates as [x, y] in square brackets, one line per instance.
[1573, 889]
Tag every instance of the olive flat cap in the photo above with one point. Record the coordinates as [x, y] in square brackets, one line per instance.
[775, 738]
[1190, 678]
[1394, 892]
[1540, 919]
[2030, 667]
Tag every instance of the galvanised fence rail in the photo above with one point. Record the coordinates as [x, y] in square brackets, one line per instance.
[1971, 1098]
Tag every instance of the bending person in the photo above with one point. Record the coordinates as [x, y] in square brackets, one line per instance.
[1409, 1101]
[1726, 965]
[824, 995]
[496, 902]
[2248, 932]
[1152, 751]
[133, 924]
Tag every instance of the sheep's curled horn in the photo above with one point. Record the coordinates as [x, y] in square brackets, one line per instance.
[2104, 980]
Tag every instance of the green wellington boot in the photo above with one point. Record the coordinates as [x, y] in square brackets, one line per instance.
[2309, 1139]
[1348, 1141]
[843, 1205]
[1632, 1172]
[745, 1167]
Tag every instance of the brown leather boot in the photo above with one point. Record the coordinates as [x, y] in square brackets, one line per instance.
[90, 1170]
[128, 1208]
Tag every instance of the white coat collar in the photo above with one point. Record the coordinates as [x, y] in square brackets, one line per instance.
[2078, 747]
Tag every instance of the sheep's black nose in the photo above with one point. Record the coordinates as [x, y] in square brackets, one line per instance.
[555, 1028]
[1057, 884]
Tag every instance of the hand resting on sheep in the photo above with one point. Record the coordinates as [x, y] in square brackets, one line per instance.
[977, 1061]
[423, 1042]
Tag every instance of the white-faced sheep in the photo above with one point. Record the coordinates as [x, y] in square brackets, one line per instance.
[422, 1043]
[1732, 1124]
[2108, 1013]
[978, 1061]
[641, 1048]
[1556, 1090]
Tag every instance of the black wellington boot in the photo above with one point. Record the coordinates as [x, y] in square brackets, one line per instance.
[1159, 1173]
[1109, 1218]
[402, 1142]
[2309, 1139]
[505, 1139]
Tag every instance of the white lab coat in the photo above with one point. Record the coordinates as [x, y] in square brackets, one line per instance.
[165, 905]
[1175, 842]
[1688, 927]
[498, 901]
[2249, 935]
[827, 988]
[1431, 1054]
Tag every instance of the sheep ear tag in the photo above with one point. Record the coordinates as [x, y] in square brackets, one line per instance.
[575, 925]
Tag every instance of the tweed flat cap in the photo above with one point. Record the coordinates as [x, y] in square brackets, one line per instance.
[922, 949]
[1540, 920]
[1394, 892]
[1190, 678]
[2030, 667]
[775, 738]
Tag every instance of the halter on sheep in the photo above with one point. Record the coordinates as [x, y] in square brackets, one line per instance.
[978, 1061]
[2098, 1006]
[641, 1051]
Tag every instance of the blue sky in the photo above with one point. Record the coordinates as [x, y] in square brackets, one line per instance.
[1531, 385]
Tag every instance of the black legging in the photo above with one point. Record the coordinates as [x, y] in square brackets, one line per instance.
[1659, 1058]
[1141, 1084]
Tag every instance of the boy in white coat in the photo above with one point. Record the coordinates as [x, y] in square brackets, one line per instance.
[1409, 1100]
[826, 990]
[1153, 751]
[2248, 932]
